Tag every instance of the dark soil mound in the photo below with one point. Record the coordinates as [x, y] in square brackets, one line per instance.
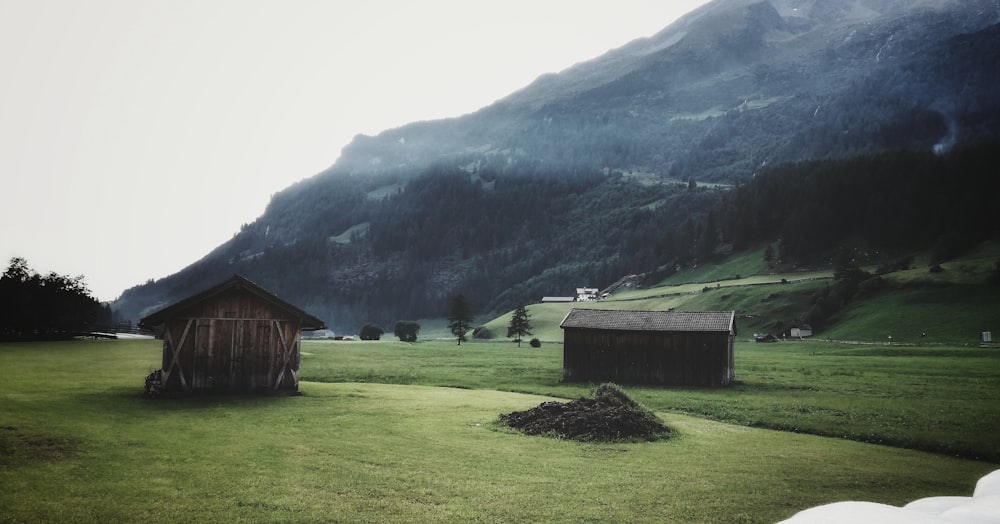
[609, 416]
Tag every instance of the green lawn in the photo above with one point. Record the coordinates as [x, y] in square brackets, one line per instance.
[392, 432]
[941, 399]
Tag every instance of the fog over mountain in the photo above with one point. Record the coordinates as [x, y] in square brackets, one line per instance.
[670, 99]
[563, 182]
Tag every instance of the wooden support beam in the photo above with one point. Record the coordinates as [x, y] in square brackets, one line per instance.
[175, 354]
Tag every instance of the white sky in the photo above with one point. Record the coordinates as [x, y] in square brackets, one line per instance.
[138, 135]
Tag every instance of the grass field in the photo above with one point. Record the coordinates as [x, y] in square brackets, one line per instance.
[393, 432]
[940, 399]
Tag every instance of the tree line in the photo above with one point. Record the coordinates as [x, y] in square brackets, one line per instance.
[46, 307]
[890, 202]
[881, 204]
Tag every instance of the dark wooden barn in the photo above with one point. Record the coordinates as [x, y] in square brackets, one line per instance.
[234, 337]
[675, 348]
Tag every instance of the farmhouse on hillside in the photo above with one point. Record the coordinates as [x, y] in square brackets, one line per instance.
[800, 331]
[234, 337]
[673, 348]
[583, 294]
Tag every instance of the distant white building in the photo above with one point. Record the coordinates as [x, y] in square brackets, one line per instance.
[586, 294]
[801, 331]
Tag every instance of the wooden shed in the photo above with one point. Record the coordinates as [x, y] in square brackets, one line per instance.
[675, 348]
[234, 337]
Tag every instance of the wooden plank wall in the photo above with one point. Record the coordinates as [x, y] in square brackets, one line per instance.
[235, 342]
[677, 358]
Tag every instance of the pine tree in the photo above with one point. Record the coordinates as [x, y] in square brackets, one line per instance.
[520, 324]
[459, 317]
[769, 256]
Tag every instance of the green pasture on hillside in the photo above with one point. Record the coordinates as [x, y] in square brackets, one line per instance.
[392, 432]
[913, 306]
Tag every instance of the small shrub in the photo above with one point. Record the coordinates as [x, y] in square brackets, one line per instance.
[153, 383]
[371, 332]
[535, 343]
[406, 330]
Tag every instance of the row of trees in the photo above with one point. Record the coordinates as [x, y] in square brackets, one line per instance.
[460, 319]
[45, 307]
[406, 330]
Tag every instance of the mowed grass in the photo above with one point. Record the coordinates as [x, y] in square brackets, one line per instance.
[940, 399]
[392, 432]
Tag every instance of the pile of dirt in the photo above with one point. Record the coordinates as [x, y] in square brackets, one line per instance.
[609, 415]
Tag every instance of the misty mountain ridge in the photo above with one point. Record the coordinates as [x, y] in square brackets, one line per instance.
[604, 168]
[787, 59]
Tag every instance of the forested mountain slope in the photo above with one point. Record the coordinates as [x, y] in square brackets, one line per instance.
[663, 152]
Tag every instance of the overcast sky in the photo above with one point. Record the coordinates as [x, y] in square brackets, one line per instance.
[138, 135]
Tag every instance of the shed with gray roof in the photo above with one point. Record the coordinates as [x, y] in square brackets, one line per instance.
[673, 348]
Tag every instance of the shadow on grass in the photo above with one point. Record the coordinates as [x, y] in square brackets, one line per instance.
[135, 400]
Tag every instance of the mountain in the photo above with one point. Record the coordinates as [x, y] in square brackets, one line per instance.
[617, 165]
[722, 90]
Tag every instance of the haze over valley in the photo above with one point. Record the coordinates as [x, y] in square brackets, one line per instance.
[645, 160]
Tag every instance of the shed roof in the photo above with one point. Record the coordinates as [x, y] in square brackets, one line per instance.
[659, 321]
[237, 282]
